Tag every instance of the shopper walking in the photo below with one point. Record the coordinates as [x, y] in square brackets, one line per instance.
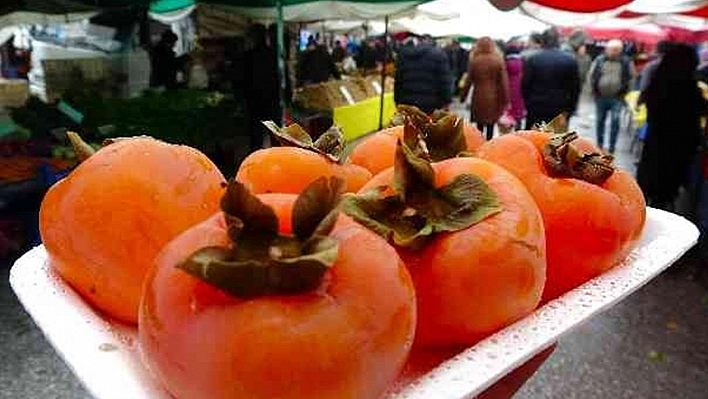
[423, 77]
[487, 73]
[515, 70]
[611, 76]
[551, 82]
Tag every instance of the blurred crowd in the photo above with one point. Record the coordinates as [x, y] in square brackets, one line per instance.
[519, 84]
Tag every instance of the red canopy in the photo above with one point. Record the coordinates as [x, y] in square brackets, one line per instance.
[583, 5]
[630, 14]
[643, 35]
[701, 12]
[648, 34]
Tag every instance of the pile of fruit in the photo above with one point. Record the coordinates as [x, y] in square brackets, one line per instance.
[312, 275]
[327, 95]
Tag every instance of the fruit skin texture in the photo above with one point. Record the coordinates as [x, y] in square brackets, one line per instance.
[376, 152]
[288, 170]
[104, 224]
[589, 228]
[348, 339]
[475, 281]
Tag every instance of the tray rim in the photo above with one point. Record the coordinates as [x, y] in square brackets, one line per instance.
[457, 377]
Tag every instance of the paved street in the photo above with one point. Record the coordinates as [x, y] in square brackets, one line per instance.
[654, 345]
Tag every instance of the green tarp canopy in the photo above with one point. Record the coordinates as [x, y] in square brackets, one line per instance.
[16, 12]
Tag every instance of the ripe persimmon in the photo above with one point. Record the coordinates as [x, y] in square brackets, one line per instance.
[592, 212]
[376, 152]
[289, 169]
[237, 307]
[103, 225]
[470, 235]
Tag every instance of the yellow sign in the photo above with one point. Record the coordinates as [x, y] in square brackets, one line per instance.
[363, 117]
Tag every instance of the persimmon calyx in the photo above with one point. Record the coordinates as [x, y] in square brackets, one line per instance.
[412, 211]
[262, 261]
[330, 144]
[563, 159]
[82, 149]
[557, 125]
[410, 114]
[442, 132]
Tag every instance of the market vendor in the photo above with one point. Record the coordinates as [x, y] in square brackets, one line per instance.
[164, 62]
[316, 64]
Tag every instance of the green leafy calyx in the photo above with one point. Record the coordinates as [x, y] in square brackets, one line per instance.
[261, 261]
[412, 211]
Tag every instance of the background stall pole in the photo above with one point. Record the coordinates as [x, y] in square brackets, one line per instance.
[383, 73]
[281, 60]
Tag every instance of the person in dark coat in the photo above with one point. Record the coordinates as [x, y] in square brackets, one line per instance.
[487, 72]
[551, 82]
[459, 61]
[260, 85]
[674, 108]
[316, 64]
[366, 56]
[423, 77]
[164, 62]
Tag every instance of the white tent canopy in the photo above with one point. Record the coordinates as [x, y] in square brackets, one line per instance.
[326, 10]
[555, 17]
[440, 18]
[376, 27]
[477, 18]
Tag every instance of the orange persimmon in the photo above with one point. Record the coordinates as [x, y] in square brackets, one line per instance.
[340, 326]
[103, 225]
[376, 152]
[289, 169]
[593, 213]
[470, 235]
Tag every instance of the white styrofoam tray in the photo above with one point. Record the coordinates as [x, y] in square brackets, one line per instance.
[104, 354]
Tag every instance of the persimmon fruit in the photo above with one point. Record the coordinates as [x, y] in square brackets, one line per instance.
[593, 213]
[339, 326]
[299, 162]
[471, 237]
[376, 152]
[104, 224]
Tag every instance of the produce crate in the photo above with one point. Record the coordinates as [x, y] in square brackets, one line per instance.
[104, 353]
[328, 95]
[61, 75]
[13, 92]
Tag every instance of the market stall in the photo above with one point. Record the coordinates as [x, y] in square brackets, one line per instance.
[298, 11]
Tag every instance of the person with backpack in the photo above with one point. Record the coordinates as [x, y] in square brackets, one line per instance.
[611, 76]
